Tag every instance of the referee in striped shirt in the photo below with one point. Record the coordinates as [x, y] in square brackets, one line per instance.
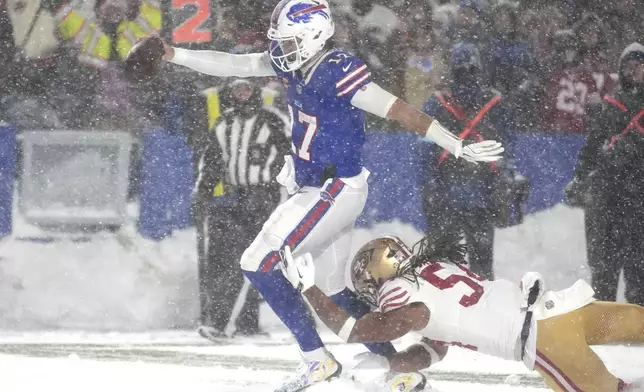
[244, 150]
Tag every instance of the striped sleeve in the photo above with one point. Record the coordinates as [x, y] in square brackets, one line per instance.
[393, 295]
[354, 75]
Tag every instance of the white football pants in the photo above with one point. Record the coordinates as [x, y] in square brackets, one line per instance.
[319, 221]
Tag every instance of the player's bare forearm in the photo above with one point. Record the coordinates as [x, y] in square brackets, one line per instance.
[425, 126]
[373, 327]
[416, 357]
[410, 117]
[381, 327]
[328, 311]
[412, 359]
[375, 100]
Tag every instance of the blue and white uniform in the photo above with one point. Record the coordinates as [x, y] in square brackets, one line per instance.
[324, 174]
[328, 131]
[327, 102]
[328, 134]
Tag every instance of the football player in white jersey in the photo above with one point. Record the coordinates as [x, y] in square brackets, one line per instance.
[429, 291]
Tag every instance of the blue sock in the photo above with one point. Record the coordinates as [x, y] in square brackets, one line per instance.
[348, 300]
[289, 306]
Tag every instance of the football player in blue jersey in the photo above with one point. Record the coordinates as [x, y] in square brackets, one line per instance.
[328, 92]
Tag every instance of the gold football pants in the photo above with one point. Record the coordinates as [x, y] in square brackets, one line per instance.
[564, 357]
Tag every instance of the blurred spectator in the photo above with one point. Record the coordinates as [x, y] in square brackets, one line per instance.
[345, 36]
[236, 192]
[509, 57]
[620, 31]
[380, 40]
[592, 44]
[7, 42]
[227, 30]
[459, 198]
[539, 28]
[32, 61]
[117, 26]
[374, 15]
[567, 83]
[382, 43]
[444, 25]
[252, 20]
[427, 64]
[33, 25]
[102, 42]
[608, 183]
[470, 24]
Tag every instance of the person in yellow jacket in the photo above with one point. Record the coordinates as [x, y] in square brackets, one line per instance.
[98, 46]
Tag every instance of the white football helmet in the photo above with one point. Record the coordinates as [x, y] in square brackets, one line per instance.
[299, 30]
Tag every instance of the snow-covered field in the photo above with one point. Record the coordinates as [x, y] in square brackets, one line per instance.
[121, 282]
[178, 361]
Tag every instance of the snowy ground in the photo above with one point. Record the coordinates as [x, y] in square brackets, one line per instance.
[172, 361]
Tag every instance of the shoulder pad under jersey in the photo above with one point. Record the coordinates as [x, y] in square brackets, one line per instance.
[346, 73]
[394, 294]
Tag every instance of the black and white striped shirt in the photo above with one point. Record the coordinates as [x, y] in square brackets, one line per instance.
[251, 149]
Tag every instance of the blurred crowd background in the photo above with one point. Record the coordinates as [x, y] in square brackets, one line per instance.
[60, 62]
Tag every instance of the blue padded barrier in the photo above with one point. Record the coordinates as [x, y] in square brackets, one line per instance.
[8, 155]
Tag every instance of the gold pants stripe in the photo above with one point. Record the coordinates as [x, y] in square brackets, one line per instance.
[544, 365]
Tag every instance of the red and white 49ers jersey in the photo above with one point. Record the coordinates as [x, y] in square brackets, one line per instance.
[465, 309]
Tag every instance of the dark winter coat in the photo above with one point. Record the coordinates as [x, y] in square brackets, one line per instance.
[464, 183]
[510, 64]
[610, 162]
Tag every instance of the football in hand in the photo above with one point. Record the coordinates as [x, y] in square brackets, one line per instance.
[144, 60]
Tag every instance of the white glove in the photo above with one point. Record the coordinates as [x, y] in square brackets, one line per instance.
[485, 151]
[299, 271]
[530, 280]
[286, 176]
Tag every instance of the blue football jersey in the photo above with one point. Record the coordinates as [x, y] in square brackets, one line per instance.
[328, 132]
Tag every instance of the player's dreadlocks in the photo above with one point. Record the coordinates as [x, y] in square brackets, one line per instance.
[442, 248]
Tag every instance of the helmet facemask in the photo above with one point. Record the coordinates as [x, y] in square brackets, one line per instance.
[375, 263]
[299, 30]
[290, 53]
[367, 290]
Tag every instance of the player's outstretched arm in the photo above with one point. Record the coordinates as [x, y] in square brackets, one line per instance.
[373, 327]
[373, 99]
[370, 328]
[221, 64]
[418, 356]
